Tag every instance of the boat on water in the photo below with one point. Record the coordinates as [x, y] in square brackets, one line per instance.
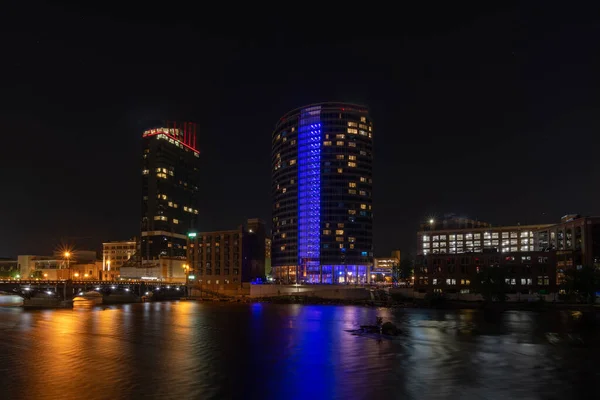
[91, 296]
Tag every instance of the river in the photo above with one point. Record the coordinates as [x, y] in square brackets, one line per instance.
[192, 350]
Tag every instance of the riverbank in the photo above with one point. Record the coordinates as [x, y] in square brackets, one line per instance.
[422, 303]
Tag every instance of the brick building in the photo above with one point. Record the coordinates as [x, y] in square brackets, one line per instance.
[533, 258]
[226, 259]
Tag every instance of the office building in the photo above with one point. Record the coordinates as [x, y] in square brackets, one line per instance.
[321, 191]
[114, 255]
[226, 259]
[169, 190]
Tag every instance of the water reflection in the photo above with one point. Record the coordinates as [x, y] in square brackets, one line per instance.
[197, 350]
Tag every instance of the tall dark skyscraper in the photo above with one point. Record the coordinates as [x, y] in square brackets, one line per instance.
[169, 189]
[321, 189]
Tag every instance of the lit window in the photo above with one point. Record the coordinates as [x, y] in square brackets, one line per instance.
[353, 130]
[352, 239]
[164, 196]
[352, 184]
[282, 248]
[292, 181]
[351, 245]
[293, 129]
[352, 144]
[170, 204]
[283, 235]
[185, 208]
[145, 172]
[363, 206]
[339, 238]
[340, 136]
[196, 211]
[340, 170]
[363, 193]
[351, 191]
[175, 221]
[292, 162]
[339, 143]
[362, 133]
[362, 126]
[283, 190]
[352, 158]
[352, 212]
[326, 232]
[160, 218]
[292, 142]
[363, 179]
[339, 232]
[340, 225]
[352, 124]
[327, 143]
[363, 119]
[351, 164]
[339, 157]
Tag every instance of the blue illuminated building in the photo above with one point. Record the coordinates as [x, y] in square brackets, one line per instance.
[322, 195]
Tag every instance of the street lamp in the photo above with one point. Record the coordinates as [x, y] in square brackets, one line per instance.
[186, 270]
[68, 257]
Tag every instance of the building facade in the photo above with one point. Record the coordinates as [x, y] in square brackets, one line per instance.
[165, 269]
[114, 255]
[170, 173]
[533, 258]
[57, 267]
[322, 195]
[226, 259]
[524, 272]
[383, 267]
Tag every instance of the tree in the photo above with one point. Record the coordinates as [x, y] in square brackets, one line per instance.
[491, 284]
[404, 270]
[583, 283]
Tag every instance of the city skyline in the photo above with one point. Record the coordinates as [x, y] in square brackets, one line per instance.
[485, 121]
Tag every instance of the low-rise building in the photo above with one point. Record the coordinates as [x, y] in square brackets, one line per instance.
[524, 272]
[59, 266]
[9, 269]
[383, 267]
[534, 258]
[165, 269]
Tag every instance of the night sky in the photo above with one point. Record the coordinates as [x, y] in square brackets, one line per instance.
[490, 113]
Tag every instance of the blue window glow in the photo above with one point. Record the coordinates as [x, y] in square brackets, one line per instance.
[364, 253]
[309, 187]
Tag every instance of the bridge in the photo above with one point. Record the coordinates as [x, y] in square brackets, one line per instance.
[64, 291]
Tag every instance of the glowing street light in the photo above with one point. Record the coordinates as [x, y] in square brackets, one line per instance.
[431, 221]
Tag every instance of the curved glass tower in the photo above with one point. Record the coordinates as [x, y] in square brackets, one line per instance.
[321, 188]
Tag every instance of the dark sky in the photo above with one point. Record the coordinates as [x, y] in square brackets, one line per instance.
[492, 113]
